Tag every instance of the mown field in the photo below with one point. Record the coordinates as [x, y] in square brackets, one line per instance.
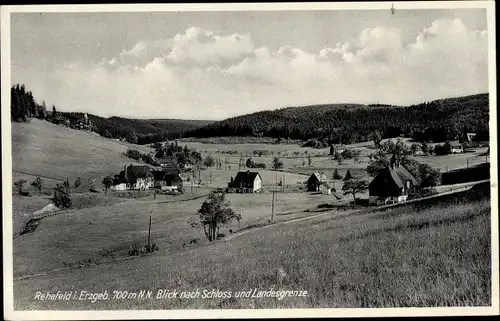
[107, 230]
[431, 255]
[422, 255]
[54, 152]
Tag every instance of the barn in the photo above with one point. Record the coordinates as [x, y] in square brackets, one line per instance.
[245, 182]
[391, 185]
[314, 182]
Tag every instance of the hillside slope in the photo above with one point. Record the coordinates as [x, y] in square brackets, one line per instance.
[349, 123]
[40, 148]
[434, 254]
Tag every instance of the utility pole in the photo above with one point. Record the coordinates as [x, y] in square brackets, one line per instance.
[149, 232]
[272, 207]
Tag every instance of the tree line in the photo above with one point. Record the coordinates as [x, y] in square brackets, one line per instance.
[24, 107]
[439, 120]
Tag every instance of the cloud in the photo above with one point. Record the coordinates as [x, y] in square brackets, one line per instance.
[200, 74]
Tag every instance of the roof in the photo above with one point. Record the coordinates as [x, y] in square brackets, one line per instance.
[166, 176]
[245, 178]
[400, 175]
[134, 172]
[320, 177]
[327, 185]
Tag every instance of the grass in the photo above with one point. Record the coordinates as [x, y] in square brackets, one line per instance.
[40, 148]
[419, 256]
[100, 223]
[432, 254]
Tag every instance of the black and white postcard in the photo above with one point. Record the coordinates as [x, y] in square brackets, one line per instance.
[249, 160]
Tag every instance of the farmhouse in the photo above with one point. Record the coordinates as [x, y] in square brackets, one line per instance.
[456, 148]
[134, 177]
[391, 185]
[315, 181]
[245, 182]
[167, 180]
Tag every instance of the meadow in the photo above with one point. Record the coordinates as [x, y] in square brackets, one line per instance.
[422, 255]
[108, 229]
[56, 153]
[414, 255]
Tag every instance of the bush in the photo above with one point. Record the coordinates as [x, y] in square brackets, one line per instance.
[133, 153]
[259, 165]
[61, 199]
[134, 251]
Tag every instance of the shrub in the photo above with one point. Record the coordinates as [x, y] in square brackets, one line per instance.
[78, 182]
[18, 185]
[209, 161]
[133, 153]
[61, 199]
[259, 165]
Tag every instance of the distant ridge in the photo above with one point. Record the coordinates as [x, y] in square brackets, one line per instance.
[438, 120]
[146, 130]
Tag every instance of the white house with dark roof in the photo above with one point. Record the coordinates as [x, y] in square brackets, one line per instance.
[245, 182]
[456, 148]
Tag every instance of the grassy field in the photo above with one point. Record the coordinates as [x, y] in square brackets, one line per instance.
[40, 148]
[423, 256]
[112, 226]
[432, 254]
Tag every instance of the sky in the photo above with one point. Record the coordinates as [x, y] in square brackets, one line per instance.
[215, 65]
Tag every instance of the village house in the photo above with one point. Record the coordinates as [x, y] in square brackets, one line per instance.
[137, 177]
[336, 148]
[245, 182]
[83, 123]
[167, 180]
[315, 181]
[391, 185]
[456, 148]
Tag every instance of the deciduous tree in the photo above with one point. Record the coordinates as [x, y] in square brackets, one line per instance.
[107, 182]
[354, 186]
[214, 213]
[37, 184]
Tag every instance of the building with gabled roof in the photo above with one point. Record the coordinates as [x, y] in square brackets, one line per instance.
[167, 180]
[134, 177]
[456, 148]
[315, 180]
[391, 185]
[245, 182]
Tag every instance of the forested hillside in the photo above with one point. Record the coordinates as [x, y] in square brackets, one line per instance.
[439, 120]
[141, 131]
